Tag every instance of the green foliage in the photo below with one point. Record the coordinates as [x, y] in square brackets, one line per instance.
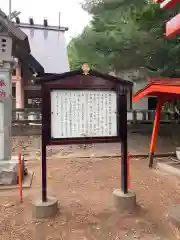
[126, 34]
[80, 50]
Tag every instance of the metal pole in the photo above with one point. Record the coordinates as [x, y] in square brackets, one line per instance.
[10, 8]
[59, 19]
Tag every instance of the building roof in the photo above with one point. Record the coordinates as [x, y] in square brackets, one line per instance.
[21, 48]
[48, 46]
[44, 26]
[29, 66]
[41, 27]
[168, 88]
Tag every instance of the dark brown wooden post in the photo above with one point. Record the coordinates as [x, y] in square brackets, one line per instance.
[44, 170]
[123, 133]
[43, 140]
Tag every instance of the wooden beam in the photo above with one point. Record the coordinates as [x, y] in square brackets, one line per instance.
[173, 26]
[167, 4]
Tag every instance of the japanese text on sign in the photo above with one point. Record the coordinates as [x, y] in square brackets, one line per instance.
[83, 114]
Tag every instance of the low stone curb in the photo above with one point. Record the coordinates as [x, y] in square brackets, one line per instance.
[168, 169]
[26, 183]
[170, 154]
[157, 155]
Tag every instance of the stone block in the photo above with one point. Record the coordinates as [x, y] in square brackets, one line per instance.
[9, 171]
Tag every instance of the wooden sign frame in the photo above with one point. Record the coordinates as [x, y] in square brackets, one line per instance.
[84, 79]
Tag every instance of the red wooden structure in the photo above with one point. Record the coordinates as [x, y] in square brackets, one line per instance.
[167, 4]
[166, 89]
[173, 25]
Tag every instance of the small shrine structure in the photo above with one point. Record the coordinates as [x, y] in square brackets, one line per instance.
[165, 89]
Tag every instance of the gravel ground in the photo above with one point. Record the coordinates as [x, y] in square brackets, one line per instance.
[137, 144]
[84, 190]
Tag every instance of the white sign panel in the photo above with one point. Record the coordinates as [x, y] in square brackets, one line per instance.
[83, 113]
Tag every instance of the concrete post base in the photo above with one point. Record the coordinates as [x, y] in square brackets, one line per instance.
[45, 209]
[124, 202]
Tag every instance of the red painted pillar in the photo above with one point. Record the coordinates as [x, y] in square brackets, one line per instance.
[155, 132]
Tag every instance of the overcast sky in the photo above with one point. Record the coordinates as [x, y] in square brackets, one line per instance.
[72, 16]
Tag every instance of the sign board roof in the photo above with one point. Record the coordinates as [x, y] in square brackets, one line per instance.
[49, 78]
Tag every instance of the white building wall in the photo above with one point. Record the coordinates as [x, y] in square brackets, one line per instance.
[143, 103]
[49, 48]
[134, 75]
